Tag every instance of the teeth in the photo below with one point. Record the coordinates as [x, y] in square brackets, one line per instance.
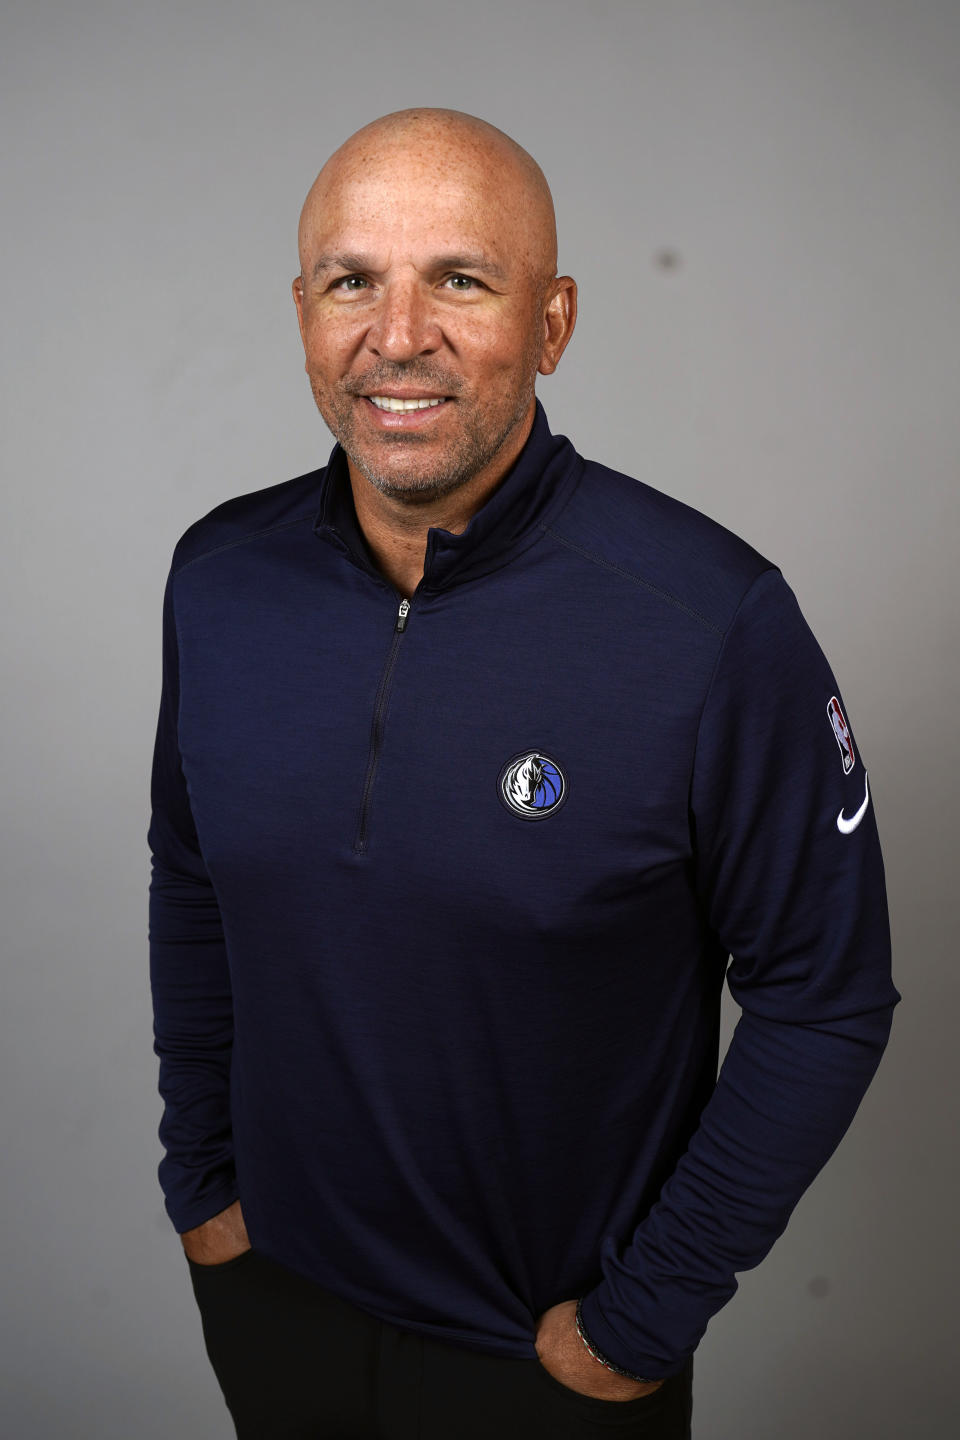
[387, 402]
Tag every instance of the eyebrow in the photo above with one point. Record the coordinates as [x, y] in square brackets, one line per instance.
[340, 262]
[473, 261]
[350, 263]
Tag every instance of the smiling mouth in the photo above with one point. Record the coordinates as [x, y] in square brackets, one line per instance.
[390, 402]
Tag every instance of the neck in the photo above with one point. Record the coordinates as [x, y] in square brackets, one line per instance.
[396, 529]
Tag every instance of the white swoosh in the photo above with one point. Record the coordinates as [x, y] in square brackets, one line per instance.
[846, 826]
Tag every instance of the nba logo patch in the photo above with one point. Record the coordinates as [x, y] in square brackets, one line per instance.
[532, 785]
[842, 731]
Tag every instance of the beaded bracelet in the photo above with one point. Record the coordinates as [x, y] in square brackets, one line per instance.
[609, 1363]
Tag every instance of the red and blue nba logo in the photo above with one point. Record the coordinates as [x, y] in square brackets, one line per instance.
[842, 731]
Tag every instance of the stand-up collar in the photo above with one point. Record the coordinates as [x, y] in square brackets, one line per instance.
[535, 489]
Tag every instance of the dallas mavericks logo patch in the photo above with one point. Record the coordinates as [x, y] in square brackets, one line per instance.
[842, 731]
[532, 785]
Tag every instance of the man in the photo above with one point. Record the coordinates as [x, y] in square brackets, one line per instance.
[476, 762]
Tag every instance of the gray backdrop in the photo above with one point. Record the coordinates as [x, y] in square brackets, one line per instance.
[760, 201]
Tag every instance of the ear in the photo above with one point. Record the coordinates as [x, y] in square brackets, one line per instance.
[559, 318]
[298, 301]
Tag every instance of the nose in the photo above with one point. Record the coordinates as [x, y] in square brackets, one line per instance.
[404, 326]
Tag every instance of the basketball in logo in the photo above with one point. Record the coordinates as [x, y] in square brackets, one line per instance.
[532, 785]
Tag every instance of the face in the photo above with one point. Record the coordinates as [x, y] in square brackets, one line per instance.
[425, 316]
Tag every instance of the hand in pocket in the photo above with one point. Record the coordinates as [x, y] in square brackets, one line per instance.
[221, 1238]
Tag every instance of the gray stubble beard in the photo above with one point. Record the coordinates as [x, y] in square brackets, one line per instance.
[471, 456]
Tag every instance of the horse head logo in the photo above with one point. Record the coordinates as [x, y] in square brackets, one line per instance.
[532, 785]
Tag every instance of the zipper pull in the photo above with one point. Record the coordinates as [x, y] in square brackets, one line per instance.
[402, 615]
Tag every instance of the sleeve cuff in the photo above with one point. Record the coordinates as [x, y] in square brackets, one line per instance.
[609, 1347]
[187, 1216]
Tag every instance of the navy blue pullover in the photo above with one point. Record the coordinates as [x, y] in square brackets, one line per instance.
[443, 897]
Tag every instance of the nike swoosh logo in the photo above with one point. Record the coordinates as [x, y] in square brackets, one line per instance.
[847, 826]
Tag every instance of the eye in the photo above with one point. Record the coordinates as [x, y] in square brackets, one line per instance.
[349, 282]
[462, 282]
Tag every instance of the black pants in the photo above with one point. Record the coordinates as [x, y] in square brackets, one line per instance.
[296, 1362]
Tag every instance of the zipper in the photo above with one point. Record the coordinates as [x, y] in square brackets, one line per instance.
[376, 732]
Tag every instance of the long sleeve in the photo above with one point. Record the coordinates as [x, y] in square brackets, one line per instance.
[799, 904]
[189, 978]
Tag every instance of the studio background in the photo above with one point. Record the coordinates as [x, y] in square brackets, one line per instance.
[760, 202]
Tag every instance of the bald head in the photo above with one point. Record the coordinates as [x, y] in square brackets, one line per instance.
[434, 155]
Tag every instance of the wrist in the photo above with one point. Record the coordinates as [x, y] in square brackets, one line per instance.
[617, 1369]
[220, 1238]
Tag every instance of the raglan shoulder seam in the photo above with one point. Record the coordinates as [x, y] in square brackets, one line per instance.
[238, 540]
[636, 579]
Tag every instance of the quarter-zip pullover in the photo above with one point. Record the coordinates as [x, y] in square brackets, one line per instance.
[459, 1066]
